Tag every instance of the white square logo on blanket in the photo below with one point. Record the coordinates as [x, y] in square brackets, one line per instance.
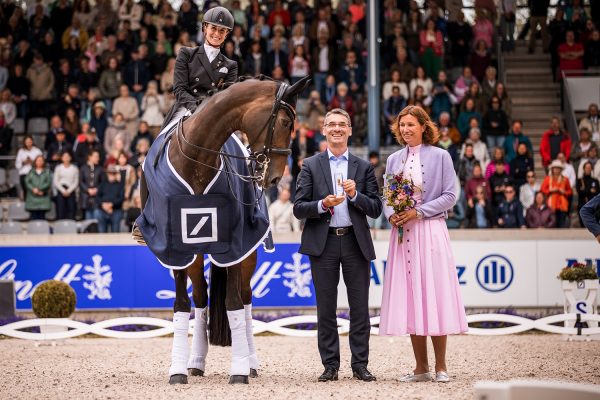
[223, 70]
[199, 225]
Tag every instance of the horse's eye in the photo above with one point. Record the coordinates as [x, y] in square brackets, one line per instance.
[285, 123]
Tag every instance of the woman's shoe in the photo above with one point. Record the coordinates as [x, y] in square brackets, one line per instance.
[442, 377]
[426, 377]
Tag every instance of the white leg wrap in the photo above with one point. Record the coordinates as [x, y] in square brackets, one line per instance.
[240, 363]
[181, 350]
[254, 363]
[199, 340]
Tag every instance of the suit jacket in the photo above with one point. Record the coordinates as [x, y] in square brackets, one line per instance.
[314, 183]
[194, 76]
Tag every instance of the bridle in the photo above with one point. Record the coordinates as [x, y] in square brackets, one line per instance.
[263, 158]
[258, 160]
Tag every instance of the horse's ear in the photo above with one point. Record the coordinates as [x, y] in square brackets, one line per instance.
[297, 88]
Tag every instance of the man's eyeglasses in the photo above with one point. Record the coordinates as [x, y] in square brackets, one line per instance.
[531, 176]
[332, 125]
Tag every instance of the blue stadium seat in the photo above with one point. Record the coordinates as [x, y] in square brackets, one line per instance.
[37, 126]
[11, 228]
[64, 226]
[17, 212]
[18, 126]
[38, 227]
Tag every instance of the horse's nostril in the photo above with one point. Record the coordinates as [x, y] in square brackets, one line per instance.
[275, 181]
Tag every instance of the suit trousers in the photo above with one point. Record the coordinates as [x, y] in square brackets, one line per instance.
[325, 270]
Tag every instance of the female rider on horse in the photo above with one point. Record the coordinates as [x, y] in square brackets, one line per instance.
[204, 68]
[198, 71]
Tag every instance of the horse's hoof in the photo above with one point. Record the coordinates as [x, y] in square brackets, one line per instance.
[178, 379]
[195, 372]
[253, 373]
[235, 379]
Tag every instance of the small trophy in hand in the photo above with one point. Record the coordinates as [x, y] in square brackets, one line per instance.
[339, 180]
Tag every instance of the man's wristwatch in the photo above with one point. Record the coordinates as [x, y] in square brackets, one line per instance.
[419, 213]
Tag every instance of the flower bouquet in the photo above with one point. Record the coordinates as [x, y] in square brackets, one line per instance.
[398, 193]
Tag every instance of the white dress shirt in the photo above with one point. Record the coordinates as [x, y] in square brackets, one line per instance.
[211, 52]
[341, 215]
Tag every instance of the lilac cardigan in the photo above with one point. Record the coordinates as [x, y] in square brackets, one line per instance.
[439, 180]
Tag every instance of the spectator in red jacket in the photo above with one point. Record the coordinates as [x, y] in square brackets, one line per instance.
[570, 54]
[279, 11]
[555, 140]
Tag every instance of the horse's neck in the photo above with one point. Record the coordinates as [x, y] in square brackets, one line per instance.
[207, 129]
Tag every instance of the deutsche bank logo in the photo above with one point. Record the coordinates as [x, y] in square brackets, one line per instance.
[494, 273]
[199, 225]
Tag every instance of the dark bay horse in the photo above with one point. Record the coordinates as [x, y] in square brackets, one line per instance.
[265, 111]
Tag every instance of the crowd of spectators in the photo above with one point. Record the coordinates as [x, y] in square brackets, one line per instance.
[102, 76]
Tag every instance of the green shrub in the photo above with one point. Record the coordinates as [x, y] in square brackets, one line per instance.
[53, 299]
[577, 272]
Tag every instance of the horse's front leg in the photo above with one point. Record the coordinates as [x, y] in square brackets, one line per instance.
[197, 361]
[248, 267]
[181, 323]
[240, 354]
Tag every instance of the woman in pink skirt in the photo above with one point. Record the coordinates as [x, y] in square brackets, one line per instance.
[421, 293]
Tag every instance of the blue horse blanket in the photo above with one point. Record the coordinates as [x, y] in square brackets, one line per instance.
[227, 222]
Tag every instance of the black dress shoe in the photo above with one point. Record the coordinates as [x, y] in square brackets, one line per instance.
[330, 374]
[363, 374]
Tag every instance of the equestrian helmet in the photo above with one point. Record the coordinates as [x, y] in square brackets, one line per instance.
[219, 16]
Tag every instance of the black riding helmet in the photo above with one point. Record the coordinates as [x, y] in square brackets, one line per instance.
[219, 16]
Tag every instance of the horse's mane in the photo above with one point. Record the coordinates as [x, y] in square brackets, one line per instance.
[239, 80]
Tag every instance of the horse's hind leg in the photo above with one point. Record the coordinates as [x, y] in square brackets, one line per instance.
[248, 267]
[240, 360]
[197, 361]
[181, 323]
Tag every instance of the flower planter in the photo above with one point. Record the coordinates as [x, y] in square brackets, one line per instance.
[581, 297]
[584, 284]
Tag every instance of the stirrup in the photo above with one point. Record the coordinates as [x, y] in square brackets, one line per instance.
[136, 234]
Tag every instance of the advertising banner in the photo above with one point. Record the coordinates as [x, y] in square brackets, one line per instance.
[490, 273]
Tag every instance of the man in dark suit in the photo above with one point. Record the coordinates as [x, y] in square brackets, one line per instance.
[204, 68]
[336, 191]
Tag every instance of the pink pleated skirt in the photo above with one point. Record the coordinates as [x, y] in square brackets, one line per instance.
[421, 293]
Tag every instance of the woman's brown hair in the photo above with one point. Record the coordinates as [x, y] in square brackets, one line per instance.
[430, 136]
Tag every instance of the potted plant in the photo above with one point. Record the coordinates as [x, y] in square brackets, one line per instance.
[53, 299]
[579, 276]
[574, 277]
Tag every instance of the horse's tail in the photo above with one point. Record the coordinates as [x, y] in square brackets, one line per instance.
[219, 332]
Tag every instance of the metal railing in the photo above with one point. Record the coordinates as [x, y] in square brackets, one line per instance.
[569, 111]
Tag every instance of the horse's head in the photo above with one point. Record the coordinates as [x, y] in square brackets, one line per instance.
[274, 116]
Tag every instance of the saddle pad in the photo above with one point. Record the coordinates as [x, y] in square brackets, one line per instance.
[227, 222]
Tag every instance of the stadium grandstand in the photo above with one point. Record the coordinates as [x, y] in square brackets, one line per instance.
[85, 86]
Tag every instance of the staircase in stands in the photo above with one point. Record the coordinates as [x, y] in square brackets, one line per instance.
[535, 96]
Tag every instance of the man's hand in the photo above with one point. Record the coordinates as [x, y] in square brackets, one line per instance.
[107, 207]
[349, 187]
[333, 200]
